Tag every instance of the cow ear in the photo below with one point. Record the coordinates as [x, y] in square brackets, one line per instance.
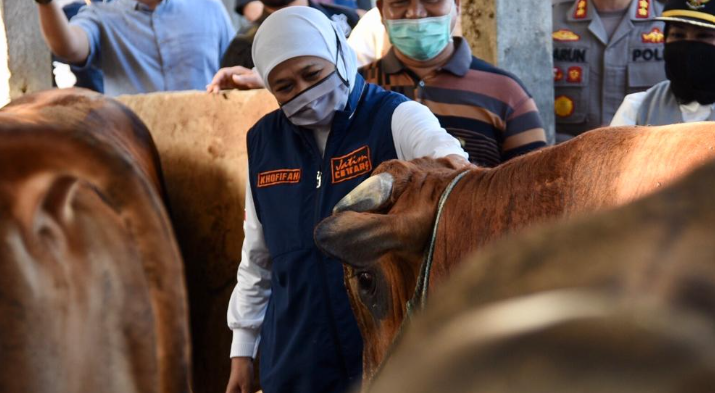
[357, 239]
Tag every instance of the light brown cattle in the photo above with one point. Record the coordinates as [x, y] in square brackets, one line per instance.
[201, 139]
[92, 296]
[383, 240]
[622, 301]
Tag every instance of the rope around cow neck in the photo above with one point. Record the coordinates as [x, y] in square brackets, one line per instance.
[419, 298]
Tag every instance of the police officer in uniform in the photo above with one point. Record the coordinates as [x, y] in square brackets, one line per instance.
[603, 50]
[689, 93]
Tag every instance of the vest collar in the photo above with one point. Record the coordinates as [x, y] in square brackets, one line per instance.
[354, 97]
[342, 118]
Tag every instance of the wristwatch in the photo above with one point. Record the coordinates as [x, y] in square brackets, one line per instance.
[43, 2]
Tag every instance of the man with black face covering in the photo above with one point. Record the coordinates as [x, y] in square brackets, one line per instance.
[689, 93]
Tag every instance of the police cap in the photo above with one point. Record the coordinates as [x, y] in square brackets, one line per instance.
[695, 12]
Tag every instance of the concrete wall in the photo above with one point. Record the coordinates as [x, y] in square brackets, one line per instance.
[201, 139]
[25, 61]
[516, 36]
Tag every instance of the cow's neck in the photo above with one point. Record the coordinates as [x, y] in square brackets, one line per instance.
[490, 203]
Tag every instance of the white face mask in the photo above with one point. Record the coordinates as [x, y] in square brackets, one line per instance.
[316, 105]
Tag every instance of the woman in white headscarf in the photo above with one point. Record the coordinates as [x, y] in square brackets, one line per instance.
[332, 130]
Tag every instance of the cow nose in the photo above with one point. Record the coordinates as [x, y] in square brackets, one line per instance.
[370, 195]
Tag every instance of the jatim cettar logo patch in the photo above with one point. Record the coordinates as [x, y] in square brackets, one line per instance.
[351, 165]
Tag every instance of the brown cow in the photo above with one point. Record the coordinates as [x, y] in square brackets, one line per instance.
[92, 295]
[557, 343]
[383, 241]
[623, 301]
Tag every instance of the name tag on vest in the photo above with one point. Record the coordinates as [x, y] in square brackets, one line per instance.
[279, 176]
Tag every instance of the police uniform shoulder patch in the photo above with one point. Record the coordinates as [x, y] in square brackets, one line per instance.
[581, 10]
[351, 165]
[643, 9]
[655, 36]
[558, 74]
[278, 176]
[565, 35]
[574, 74]
[563, 106]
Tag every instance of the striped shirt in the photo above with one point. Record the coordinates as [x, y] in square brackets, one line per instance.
[486, 108]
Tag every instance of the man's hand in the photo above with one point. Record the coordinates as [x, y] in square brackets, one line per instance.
[241, 379]
[235, 78]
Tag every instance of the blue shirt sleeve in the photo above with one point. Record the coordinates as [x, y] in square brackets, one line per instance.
[89, 20]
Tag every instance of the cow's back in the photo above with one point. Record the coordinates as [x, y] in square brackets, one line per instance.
[91, 281]
[597, 170]
[652, 262]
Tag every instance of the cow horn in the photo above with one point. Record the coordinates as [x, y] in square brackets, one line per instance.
[370, 195]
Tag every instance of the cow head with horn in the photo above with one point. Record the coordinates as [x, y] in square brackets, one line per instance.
[380, 231]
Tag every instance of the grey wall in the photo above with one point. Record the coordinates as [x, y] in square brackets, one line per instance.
[25, 61]
[516, 36]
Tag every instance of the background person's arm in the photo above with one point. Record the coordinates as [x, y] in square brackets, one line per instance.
[67, 42]
[417, 133]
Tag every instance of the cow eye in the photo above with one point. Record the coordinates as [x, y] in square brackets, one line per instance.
[366, 280]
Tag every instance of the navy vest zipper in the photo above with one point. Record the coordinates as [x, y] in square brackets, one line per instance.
[321, 261]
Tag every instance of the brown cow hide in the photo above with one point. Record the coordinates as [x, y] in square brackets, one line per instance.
[91, 280]
[651, 261]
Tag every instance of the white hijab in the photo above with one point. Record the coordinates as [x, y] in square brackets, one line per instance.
[301, 31]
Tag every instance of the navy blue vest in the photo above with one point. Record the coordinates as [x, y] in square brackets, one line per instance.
[310, 342]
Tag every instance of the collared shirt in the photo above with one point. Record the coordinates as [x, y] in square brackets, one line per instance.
[486, 108]
[177, 46]
[369, 39]
[627, 114]
[594, 71]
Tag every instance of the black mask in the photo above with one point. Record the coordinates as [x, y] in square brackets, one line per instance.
[690, 66]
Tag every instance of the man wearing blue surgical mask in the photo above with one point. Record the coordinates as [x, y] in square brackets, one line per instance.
[486, 108]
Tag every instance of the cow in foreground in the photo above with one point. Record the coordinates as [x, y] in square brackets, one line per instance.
[382, 229]
[621, 301]
[92, 295]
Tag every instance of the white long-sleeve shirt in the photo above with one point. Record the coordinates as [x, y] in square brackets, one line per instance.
[627, 113]
[416, 132]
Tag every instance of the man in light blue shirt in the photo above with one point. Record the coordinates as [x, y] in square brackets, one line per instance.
[142, 46]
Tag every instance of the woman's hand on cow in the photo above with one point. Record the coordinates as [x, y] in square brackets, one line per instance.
[236, 77]
[458, 162]
[241, 379]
